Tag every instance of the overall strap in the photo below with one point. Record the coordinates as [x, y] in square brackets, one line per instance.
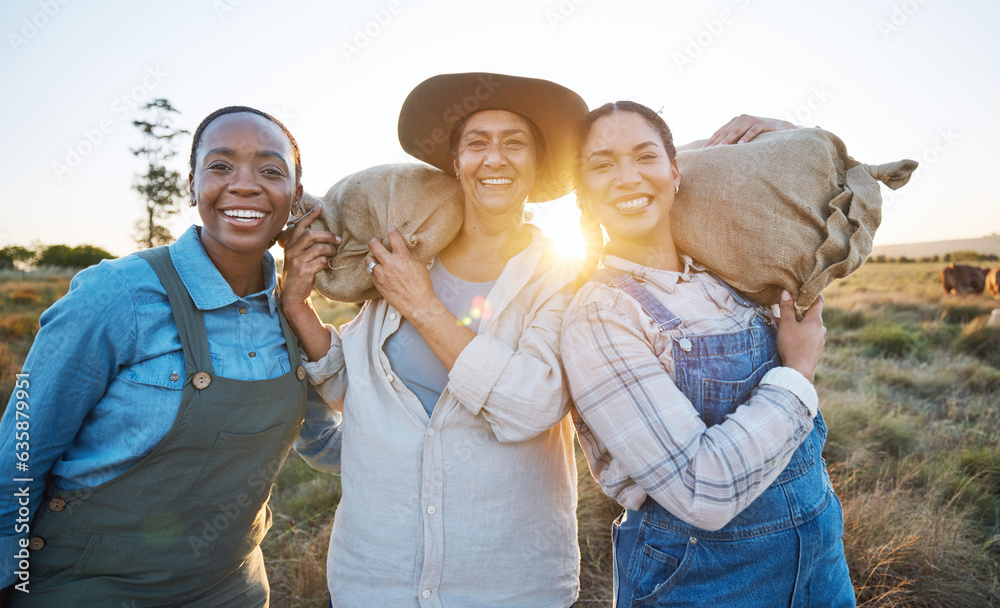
[745, 303]
[626, 282]
[291, 340]
[189, 320]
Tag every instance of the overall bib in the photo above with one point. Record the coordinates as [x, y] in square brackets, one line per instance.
[182, 527]
[785, 548]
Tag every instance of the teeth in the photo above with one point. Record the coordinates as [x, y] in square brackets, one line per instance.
[243, 214]
[637, 203]
[497, 181]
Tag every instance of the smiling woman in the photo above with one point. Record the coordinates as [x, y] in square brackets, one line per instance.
[185, 386]
[454, 428]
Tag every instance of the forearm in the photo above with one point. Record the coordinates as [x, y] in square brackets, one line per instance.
[308, 327]
[442, 331]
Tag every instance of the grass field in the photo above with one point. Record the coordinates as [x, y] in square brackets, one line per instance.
[909, 385]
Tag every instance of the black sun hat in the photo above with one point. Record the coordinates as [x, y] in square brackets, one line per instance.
[433, 107]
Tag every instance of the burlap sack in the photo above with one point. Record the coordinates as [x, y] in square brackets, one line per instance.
[424, 203]
[788, 210]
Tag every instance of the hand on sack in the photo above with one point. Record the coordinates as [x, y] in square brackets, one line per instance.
[744, 128]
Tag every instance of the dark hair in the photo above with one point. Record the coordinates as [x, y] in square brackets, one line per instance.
[591, 229]
[236, 109]
[536, 134]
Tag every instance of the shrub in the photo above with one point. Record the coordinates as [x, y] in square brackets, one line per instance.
[894, 340]
[980, 341]
[25, 296]
[836, 318]
[71, 257]
[962, 314]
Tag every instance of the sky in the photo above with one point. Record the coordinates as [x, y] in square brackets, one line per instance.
[893, 79]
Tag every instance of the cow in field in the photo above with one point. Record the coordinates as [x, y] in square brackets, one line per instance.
[963, 280]
[992, 280]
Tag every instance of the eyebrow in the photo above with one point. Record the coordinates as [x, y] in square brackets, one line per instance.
[605, 152]
[485, 132]
[259, 154]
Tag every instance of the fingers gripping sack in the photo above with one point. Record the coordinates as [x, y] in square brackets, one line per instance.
[788, 210]
[424, 203]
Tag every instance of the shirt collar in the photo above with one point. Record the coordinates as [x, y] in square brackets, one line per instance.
[664, 279]
[202, 279]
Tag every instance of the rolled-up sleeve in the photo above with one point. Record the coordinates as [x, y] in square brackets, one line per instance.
[319, 440]
[521, 391]
[642, 436]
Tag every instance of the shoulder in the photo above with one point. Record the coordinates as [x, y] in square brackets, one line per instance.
[599, 307]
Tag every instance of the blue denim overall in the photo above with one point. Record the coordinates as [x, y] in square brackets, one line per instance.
[785, 548]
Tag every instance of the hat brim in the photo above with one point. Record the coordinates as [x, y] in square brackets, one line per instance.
[433, 107]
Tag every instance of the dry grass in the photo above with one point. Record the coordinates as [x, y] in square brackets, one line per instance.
[908, 384]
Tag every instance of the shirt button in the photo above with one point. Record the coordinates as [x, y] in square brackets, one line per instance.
[243, 310]
[300, 372]
[389, 377]
[426, 593]
[722, 311]
[174, 377]
[392, 317]
[57, 504]
[252, 354]
[36, 543]
[431, 510]
[430, 432]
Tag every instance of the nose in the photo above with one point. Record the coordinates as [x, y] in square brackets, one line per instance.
[494, 156]
[244, 182]
[627, 175]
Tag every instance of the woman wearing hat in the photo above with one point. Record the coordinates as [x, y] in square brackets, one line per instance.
[459, 478]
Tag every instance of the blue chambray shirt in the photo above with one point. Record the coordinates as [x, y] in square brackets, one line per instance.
[106, 372]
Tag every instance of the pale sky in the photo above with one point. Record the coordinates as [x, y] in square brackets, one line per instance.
[894, 79]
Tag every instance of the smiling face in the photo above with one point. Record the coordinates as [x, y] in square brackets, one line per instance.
[496, 162]
[629, 180]
[244, 184]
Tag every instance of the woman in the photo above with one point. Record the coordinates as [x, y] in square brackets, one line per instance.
[695, 414]
[164, 392]
[456, 451]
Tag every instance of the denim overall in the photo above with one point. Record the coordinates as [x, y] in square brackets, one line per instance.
[785, 548]
[183, 526]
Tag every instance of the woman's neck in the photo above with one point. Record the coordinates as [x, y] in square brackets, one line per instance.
[482, 248]
[663, 255]
[243, 272]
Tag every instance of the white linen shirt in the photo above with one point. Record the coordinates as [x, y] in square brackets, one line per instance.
[476, 504]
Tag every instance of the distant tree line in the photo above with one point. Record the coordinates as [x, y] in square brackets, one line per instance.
[959, 257]
[62, 256]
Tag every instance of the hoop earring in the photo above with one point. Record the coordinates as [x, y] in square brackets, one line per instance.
[677, 188]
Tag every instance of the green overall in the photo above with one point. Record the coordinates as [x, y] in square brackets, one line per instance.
[183, 526]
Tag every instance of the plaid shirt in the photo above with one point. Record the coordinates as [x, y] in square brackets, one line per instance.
[641, 434]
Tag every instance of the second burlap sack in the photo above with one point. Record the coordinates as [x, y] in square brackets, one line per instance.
[423, 202]
[787, 210]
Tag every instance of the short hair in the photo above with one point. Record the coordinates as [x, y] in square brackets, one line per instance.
[237, 109]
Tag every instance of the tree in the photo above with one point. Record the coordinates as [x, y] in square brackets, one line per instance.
[15, 255]
[160, 187]
[71, 257]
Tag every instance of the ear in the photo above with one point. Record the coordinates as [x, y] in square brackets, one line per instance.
[194, 200]
[297, 200]
[677, 174]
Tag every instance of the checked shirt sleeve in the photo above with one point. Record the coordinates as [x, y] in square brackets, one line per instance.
[643, 437]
